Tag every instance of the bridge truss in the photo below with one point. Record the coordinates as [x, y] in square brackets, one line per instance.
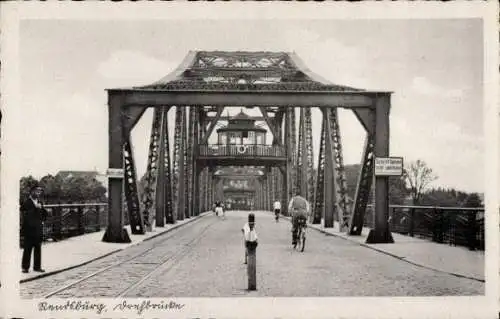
[180, 184]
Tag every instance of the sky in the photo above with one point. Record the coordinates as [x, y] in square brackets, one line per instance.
[434, 68]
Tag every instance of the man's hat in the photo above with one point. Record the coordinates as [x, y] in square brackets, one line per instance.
[34, 186]
[251, 218]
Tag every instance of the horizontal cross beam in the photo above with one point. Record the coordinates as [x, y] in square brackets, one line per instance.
[250, 98]
[227, 118]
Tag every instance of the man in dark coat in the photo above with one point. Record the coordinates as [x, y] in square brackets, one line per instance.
[33, 215]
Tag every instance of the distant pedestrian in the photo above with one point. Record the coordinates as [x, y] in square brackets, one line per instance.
[277, 209]
[33, 217]
[219, 209]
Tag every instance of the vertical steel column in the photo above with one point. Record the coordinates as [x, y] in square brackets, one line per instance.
[265, 198]
[319, 196]
[270, 190]
[180, 130]
[304, 165]
[343, 215]
[331, 200]
[187, 164]
[151, 170]
[309, 156]
[293, 141]
[209, 189]
[204, 179]
[195, 170]
[203, 185]
[163, 186]
[131, 193]
[381, 232]
[300, 167]
[115, 232]
[363, 188]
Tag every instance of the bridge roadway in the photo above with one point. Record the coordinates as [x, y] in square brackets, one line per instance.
[205, 259]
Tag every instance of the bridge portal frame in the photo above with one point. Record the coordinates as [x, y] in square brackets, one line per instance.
[372, 108]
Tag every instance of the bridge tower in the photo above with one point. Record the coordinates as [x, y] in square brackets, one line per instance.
[277, 83]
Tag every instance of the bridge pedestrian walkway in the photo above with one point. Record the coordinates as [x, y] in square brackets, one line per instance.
[80, 250]
[456, 260]
[205, 259]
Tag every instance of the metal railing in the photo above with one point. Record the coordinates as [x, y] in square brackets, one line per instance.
[241, 150]
[457, 226]
[69, 220]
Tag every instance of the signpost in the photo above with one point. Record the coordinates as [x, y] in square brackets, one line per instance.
[115, 173]
[388, 166]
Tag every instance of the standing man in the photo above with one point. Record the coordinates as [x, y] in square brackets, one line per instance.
[249, 234]
[277, 209]
[33, 215]
[299, 208]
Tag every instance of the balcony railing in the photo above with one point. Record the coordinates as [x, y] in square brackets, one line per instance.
[69, 220]
[215, 150]
[455, 226]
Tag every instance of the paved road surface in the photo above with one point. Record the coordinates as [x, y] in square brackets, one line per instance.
[205, 259]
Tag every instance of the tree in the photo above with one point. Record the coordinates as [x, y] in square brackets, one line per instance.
[25, 185]
[473, 200]
[418, 176]
[397, 190]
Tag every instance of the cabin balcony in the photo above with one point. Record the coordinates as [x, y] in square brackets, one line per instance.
[240, 154]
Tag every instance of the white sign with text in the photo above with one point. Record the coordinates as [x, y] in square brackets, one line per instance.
[115, 173]
[388, 166]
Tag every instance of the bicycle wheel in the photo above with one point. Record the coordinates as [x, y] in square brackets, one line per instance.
[301, 240]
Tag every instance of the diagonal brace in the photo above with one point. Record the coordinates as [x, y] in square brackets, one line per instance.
[271, 124]
[213, 122]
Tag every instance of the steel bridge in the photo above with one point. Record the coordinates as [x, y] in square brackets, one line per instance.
[276, 83]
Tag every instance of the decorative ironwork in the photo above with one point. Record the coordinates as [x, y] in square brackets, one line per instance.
[242, 71]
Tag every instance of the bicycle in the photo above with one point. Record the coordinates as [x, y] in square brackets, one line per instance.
[301, 236]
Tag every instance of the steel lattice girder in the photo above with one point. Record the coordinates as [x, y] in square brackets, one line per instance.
[164, 209]
[151, 170]
[179, 161]
[131, 194]
[304, 173]
[340, 178]
[303, 90]
[363, 188]
[319, 197]
[190, 175]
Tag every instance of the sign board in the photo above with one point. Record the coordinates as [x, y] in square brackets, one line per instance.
[115, 173]
[388, 166]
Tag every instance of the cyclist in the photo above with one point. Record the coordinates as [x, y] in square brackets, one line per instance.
[277, 209]
[299, 208]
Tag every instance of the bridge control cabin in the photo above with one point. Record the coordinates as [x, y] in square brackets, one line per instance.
[241, 143]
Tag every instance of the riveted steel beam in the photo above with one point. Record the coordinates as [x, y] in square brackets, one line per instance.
[249, 98]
